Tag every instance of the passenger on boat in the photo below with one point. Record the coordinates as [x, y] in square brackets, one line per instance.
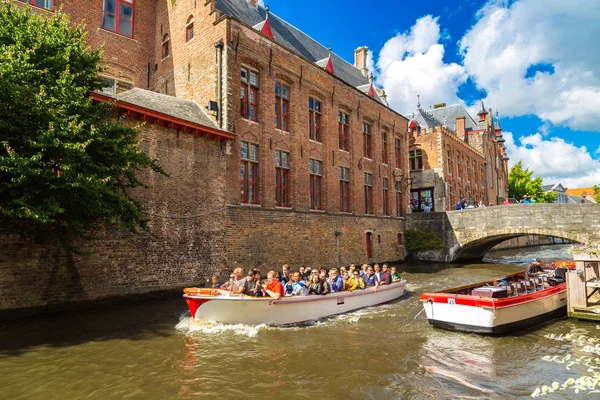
[251, 289]
[298, 286]
[316, 286]
[386, 276]
[323, 277]
[302, 270]
[214, 283]
[371, 279]
[533, 269]
[274, 288]
[336, 283]
[360, 281]
[351, 269]
[238, 284]
[378, 273]
[395, 275]
[285, 275]
[363, 270]
[349, 282]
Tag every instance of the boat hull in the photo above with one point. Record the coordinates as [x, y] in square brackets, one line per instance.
[287, 310]
[495, 316]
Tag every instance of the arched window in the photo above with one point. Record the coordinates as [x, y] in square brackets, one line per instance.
[189, 28]
[165, 46]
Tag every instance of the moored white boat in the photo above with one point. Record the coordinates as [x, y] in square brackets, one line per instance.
[286, 310]
[484, 308]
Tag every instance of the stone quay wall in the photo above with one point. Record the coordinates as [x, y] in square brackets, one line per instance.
[268, 238]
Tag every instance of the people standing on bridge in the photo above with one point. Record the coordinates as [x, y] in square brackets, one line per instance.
[533, 200]
[506, 202]
[463, 203]
[458, 207]
[526, 199]
[481, 205]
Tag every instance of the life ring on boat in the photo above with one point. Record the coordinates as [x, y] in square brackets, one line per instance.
[200, 291]
[567, 264]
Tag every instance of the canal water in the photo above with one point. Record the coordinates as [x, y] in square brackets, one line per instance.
[153, 350]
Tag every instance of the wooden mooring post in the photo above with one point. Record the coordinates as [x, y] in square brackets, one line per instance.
[583, 288]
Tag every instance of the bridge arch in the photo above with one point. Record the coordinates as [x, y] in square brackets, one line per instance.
[469, 234]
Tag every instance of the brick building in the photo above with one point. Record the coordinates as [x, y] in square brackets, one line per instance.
[452, 156]
[249, 115]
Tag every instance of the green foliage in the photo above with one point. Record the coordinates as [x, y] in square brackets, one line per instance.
[64, 166]
[521, 182]
[597, 193]
[416, 241]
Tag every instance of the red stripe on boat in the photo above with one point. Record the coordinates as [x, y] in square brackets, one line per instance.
[479, 301]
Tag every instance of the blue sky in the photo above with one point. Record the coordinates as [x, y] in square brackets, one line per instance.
[536, 61]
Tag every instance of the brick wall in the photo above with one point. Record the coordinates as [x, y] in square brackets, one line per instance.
[182, 252]
[267, 239]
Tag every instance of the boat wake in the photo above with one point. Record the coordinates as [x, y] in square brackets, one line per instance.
[187, 324]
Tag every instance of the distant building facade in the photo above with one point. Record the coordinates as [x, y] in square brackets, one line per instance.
[452, 156]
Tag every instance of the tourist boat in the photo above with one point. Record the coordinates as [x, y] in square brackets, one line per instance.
[485, 307]
[219, 306]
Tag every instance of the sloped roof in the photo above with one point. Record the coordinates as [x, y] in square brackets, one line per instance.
[293, 39]
[450, 113]
[580, 191]
[174, 106]
[557, 187]
[424, 120]
[577, 199]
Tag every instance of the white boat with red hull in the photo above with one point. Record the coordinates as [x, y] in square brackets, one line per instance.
[218, 306]
[517, 303]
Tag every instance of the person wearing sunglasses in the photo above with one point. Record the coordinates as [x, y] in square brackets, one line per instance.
[360, 281]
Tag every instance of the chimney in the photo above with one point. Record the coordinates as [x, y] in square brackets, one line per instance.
[360, 59]
[460, 127]
[253, 3]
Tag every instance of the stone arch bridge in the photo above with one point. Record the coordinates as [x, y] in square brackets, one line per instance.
[469, 234]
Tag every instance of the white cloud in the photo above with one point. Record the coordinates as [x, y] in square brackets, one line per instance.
[507, 40]
[554, 160]
[411, 64]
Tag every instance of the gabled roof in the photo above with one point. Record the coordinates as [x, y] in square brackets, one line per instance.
[577, 199]
[294, 39]
[424, 120]
[556, 187]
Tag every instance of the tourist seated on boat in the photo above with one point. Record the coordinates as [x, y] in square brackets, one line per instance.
[363, 270]
[299, 288]
[303, 275]
[213, 283]
[395, 275]
[351, 269]
[273, 288]
[371, 279]
[238, 284]
[386, 277]
[343, 270]
[378, 273]
[285, 275]
[254, 288]
[316, 285]
[323, 277]
[349, 283]
[533, 269]
[360, 281]
[336, 282]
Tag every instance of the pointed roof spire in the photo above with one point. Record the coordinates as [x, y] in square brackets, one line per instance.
[498, 127]
[266, 29]
[418, 102]
[371, 91]
[329, 67]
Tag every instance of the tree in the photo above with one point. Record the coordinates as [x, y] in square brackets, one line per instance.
[65, 164]
[597, 193]
[522, 183]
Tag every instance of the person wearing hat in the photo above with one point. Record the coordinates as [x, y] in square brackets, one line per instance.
[533, 269]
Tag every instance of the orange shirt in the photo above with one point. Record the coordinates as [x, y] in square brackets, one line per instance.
[275, 287]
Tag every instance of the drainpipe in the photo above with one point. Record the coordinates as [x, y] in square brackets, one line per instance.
[219, 46]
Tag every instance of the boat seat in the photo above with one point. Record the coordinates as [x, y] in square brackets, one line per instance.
[518, 288]
[560, 276]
